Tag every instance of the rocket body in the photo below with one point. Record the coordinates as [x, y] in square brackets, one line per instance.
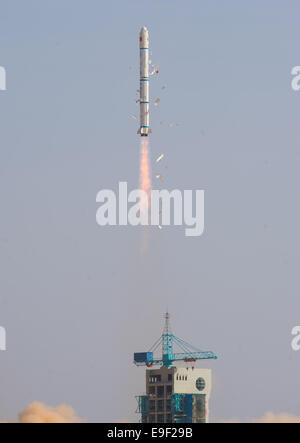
[144, 129]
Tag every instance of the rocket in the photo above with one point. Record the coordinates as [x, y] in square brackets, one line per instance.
[144, 129]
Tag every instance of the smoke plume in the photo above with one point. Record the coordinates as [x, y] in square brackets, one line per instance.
[269, 417]
[40, 413]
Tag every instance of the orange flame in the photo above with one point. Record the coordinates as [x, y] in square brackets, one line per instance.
[145, 174]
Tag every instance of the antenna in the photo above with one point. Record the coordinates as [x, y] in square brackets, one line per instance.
[167, 328]
[167, 342]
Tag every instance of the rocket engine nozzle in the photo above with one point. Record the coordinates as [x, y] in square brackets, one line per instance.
[144, 132]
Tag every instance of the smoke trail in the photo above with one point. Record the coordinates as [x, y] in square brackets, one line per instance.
[40, 413]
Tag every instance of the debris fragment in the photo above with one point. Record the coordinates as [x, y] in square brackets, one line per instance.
[137, 101]
[161, 123]
[133, 116]
[177, 124]
[159, 227]
[138, 91]
[159, 159]
[155, 70]
[163, 87]
[157, 101]
[160, 177]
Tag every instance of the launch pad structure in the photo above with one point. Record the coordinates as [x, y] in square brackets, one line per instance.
[174, 394]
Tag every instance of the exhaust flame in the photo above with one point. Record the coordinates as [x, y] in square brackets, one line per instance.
[145, 185]
[145, 175]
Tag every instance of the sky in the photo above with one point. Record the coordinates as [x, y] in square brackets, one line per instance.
[77, 300]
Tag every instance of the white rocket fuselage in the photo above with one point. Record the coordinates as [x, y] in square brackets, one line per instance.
[144, 129]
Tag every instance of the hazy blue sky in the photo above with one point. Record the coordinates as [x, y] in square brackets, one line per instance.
[77, 300]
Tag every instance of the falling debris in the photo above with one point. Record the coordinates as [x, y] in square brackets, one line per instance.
[138, 91]
[163, 87]
[155, 70]
[159, 159]
[160, 177]
[157, 101]
[177, 124]
[159, 227]
[137, 101]
[134, 117]
[161, 123]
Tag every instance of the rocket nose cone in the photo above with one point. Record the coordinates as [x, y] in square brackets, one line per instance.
[144, 30]
[144, 37]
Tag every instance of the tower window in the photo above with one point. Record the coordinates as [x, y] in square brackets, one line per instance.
[160, 405]
[160, 391]
[152, 390]
[169, 418]
[160, 418]
[152, 405]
